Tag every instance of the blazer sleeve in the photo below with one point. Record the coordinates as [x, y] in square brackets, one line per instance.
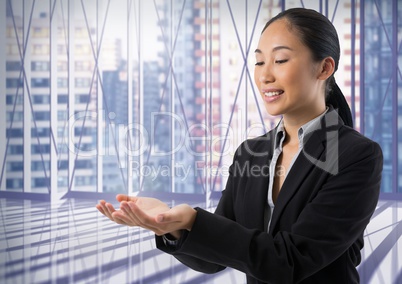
[225, 209]
[326, 228]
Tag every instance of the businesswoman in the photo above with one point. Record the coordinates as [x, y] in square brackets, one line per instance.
[299, 197]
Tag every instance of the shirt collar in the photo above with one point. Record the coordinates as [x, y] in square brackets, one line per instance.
[306, 128]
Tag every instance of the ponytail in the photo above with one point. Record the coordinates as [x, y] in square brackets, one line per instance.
[336, 98]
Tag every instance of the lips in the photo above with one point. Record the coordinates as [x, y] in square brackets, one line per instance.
[272, 93]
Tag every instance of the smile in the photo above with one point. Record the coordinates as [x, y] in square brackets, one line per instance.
[272, 94]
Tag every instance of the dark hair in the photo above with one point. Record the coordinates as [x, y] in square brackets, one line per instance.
[320, 36]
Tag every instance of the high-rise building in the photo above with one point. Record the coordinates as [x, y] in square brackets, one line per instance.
[191, 69]
[51, 102]
[382, 86]
[196, 99]
[116, 116]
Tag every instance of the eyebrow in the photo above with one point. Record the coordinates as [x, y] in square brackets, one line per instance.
[276, 48]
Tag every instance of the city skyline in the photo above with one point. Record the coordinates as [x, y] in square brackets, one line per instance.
[197, 84]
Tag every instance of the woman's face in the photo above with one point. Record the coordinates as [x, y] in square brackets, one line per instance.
[286, 75]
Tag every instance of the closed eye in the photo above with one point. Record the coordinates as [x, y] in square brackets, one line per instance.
[281, 61]
[259, 63]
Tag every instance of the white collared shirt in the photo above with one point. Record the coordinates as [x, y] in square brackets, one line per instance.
[280, 136]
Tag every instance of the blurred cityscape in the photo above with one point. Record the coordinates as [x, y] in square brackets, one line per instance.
[155, 96]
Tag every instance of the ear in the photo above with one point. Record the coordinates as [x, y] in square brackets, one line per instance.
[326, 69]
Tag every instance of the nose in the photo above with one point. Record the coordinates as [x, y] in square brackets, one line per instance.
[265, 74]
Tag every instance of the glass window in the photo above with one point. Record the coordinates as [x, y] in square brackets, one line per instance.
[10, 32]
[82, 49]
[15, 166]
[62, 49]
[62, 82]
[81, 65]
[84, 164]
[42, 115]
[62, 99]
[40, 82]
[41, 99]
[13, 65]
[62, 65]
[40, 49]
[14, 83]
[81, 99]
[40, 32]
[40, 132]
[85, 146]
[14, 183]
[61, 115]
[62, 165]
[10, 99]
[40, 149]
[14, 133]
[38, 165]
[62, 181]
[12, 49]
[82, 82]
[81, 32]
[40, 182]
[40, 65]
[85, 180]
[15, 150]
[83, 131]
[14, 116]
[62, 147]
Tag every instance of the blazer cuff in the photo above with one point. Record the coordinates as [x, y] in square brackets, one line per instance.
[168, 245]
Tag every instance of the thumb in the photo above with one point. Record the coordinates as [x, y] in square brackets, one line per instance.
[159, 218]
[165, 217]
[175, 214]
[123, 197]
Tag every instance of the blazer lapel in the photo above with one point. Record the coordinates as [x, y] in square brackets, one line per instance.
[257, 186]
[314, 147]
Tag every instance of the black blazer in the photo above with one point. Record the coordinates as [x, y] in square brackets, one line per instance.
[316, 231]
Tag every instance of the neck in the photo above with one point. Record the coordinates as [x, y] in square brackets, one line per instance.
[292, 122]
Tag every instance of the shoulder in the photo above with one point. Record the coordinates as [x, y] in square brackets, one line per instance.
[350, 140]
[356, 149]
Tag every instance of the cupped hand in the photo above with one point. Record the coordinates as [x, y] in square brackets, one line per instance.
[107, 209]
[154, 215]
[147, 207]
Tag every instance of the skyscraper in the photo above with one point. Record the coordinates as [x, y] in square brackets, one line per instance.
[382, 86]
[191, 81]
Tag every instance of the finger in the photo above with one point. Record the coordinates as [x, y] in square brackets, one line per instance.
[126, 210]
[144, 220]
[123, 197]
[100, 209]
[127, 216]
[101, 205]
[120, 219]
[110, 208]
[103, 209]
